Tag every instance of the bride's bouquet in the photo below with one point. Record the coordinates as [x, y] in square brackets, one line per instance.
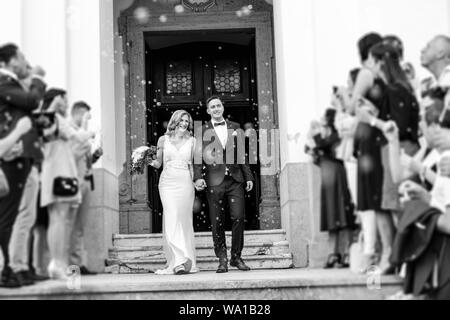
[141, 158]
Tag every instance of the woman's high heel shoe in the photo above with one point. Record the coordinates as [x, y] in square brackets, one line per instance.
[345, 263]
[333, 260]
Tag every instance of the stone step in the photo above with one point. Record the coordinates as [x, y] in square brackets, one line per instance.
[208, 263]
[201, 238]
[263, 285]
[254, 249]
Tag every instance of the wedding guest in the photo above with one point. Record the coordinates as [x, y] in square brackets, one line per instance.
[337, 209]
[85, 159]
[20, 239]
[367, 146]
[346, 123]
[59, 191]
[400, 106]
[436, 59]
[15, 103]
[429, 253]
[423, 245]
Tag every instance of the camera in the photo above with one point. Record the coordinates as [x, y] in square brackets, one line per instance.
[44, 120]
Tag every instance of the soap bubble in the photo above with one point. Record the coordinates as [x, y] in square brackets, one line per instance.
[163, 18]
[142, 15]
[179, 8]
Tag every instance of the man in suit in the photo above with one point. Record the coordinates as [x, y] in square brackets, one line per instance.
[224, 172]
[16, 101]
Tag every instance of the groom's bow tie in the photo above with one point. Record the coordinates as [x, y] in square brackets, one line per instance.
[223, 123]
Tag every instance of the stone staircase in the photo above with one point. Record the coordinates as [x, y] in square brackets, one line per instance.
[144, 253]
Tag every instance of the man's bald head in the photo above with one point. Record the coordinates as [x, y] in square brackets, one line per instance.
[442, 43]
[437, 50]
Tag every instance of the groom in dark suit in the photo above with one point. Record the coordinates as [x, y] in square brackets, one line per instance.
[225, 174]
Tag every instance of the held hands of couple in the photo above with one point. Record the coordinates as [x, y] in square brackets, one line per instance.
[200, 185]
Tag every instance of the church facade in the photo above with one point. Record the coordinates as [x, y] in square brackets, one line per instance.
[273, 62]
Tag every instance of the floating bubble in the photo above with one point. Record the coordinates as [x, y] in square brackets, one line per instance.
[179, 8]
[142, 15]
[163, 18]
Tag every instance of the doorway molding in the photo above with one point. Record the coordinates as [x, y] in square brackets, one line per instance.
[134, 205]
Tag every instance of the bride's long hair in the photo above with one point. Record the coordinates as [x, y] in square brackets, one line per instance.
[175, 121]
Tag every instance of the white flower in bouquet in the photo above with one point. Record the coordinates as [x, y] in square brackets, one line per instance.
[141, 158]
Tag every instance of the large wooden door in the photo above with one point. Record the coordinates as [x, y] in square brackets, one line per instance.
[184, 77]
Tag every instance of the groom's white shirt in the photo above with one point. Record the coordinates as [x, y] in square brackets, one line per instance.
[222, 132]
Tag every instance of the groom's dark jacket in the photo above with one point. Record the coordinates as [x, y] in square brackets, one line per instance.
[211, 160]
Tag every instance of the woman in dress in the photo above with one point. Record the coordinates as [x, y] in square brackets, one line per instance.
[337, 209]
[398, 104]
[60, 161]
[367, 145]
[176, 189]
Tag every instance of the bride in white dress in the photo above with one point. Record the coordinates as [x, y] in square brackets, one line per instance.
[176, 189]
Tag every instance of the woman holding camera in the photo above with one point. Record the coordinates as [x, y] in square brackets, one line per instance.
[59, 191]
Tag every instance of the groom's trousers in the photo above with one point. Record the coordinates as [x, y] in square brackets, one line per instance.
[232, 193]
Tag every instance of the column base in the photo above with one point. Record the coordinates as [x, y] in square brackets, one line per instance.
[103, 219]
[300, 214]
[135, 218]
[270, 217]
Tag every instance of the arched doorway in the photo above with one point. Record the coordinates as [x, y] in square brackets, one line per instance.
[249, 39]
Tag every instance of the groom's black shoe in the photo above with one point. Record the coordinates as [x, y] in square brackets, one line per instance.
[240, 264]
[223, 265]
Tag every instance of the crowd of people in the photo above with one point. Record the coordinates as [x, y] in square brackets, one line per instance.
[46, 176]
[383, 150]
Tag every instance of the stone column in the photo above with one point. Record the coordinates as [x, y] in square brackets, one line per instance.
[297, 101]
[91, 78]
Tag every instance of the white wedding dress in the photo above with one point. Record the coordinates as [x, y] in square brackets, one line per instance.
[176, 189]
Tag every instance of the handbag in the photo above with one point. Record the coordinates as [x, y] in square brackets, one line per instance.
[4, 185]
[65, 187]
